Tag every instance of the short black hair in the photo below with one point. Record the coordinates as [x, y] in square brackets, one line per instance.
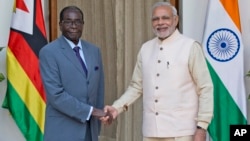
[70, 8]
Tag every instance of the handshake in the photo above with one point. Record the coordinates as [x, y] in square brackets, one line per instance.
[107, 115]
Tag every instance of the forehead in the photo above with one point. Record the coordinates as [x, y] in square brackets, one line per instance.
[72, 13]
[162, 11]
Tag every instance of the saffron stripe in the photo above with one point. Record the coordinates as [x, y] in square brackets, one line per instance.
[232, 8]
[26, 90]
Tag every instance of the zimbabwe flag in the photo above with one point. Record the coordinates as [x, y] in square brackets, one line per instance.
[25, 95]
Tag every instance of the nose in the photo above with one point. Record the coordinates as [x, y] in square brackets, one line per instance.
[73, 24]
[160, 21]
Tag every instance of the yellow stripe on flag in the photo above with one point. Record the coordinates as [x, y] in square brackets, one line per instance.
[33, 101]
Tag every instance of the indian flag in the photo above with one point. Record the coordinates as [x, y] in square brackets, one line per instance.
[223, 48]
[25, 96]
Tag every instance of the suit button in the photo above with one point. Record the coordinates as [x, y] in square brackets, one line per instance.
[157, 113]
[161, 48]
[157, 74]
[156, 101]
[156, 87]
[87, 82]
[159, 61]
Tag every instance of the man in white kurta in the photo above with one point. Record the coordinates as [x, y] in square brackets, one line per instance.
[172, 76]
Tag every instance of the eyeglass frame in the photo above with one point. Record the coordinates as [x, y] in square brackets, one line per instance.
[71, 22]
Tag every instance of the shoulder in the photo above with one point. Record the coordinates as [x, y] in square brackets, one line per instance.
[186, 38]
[88, 44]
[51, 47]
[150, 42]
[60, 41]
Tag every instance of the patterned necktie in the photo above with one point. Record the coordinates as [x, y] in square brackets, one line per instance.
[76, 49]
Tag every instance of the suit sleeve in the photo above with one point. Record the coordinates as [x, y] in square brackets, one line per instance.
[100, 98]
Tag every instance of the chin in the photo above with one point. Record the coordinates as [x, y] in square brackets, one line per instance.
[164, 35]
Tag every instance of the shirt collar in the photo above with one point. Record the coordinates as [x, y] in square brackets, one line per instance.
[72, 45]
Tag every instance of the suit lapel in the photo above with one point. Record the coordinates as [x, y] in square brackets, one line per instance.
[70, 55]
[87, 56]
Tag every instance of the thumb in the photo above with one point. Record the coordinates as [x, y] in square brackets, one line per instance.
[105, 109]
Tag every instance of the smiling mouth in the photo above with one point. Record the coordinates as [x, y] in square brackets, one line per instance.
[162, 29]
[73, 32]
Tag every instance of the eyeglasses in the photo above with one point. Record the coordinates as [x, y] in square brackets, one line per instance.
[70, 22]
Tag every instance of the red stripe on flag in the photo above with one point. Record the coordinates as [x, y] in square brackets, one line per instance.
[39, 18]
[20, 4]
[27, 59]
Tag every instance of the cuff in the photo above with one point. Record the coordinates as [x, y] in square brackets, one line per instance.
[202, 125]
[121, 109]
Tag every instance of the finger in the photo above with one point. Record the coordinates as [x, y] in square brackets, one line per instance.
[104, 119]
[106, 108]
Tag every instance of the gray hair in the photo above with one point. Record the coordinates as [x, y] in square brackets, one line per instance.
[157, 4]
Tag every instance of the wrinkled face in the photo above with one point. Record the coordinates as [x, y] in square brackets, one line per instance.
[163, 22]
[72, 25]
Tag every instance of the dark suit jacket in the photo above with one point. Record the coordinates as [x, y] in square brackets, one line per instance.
[69, 92]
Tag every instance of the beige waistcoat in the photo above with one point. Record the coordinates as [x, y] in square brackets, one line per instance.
[169, 94]
[170, 100]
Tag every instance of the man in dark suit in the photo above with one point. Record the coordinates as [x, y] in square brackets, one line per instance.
[74, 86]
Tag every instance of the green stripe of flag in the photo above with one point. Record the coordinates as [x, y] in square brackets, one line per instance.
[226, 111]
[21, 115]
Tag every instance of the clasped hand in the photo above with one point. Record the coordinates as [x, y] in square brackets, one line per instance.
[110, 115]
[107, 115]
